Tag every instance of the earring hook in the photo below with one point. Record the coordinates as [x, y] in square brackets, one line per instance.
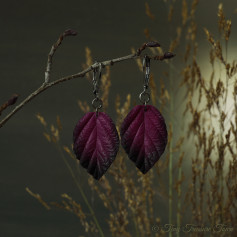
[97, 102]
[146, 70]
[145, 96]
[96, 79]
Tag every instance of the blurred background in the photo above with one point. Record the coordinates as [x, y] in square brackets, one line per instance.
[110, 29]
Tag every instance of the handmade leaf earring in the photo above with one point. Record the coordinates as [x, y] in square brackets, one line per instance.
[95, 138]
[143, 132]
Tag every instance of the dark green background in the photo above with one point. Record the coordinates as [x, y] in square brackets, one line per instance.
[28, 29]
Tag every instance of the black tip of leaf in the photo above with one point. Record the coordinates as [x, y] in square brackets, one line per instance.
[152, 44]
[169, 55]
[70, 32]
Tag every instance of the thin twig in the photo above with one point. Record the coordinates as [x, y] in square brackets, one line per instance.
[53, 50]
[46, 84]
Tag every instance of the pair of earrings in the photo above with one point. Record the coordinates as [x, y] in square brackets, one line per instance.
[143, 133]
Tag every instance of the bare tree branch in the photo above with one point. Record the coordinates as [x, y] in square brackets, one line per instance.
[46, 84]
[53, 50]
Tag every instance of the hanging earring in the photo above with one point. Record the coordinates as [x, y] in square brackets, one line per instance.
[95, 138]
[143, 131]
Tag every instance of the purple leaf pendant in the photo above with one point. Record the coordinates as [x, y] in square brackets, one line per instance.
[95, 143]
[144, 136]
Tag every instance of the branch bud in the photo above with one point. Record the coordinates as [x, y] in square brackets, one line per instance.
[152, 44]
[69, 32]
[169, 55]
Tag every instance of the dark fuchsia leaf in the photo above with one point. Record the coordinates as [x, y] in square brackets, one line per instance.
[144, 136]
[96, 143]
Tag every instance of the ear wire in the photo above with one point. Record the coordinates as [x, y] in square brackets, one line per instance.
[97, 102]
[145, 95]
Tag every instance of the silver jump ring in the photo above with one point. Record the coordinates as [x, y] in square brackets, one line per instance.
[97, 103]
[144, 97]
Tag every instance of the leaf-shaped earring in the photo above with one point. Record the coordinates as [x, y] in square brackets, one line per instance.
[95, 138]
[143, 132]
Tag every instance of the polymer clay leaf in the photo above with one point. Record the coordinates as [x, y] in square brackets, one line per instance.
[144, 136]
[95, 142]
